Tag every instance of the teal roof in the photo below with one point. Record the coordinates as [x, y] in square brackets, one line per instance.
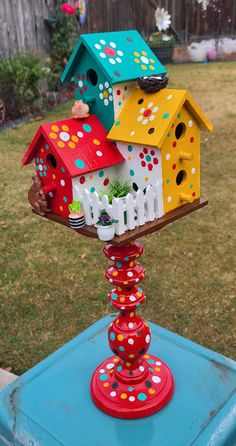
[121, 55]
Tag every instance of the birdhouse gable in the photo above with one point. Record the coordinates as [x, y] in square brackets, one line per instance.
[146, 118]
[80, 144]
[122, 56]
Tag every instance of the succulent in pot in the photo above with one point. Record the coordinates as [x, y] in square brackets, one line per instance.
[105, 226]
[76, 216]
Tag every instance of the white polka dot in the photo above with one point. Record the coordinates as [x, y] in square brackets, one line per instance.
[130, 341]
[110, 365]
[141, 368]
[80, 84]
[132, 133]
[97, 46]
[112, 44]
[103, 42]
[101, 95]
[62, 182]
[112, 61]
[130, 274]
[106, 102]
[169, 199]
[190, 123]
[110, 90]
[99, 153]
[150, 104]
[155, 109]
[144, 59]
[100, 87]
[103, 55]
[169, 97]
[111, 322]
[113, 394]
[111, 280]
[80, 134]
[167, 156]
[130, 324]
[110, 98]
[131, 399]
[118, 59]
[50, 194]
[106, 84]
[136, 280]
[145, 121]
[101, 370]
[132, 298]
[156, 379]
[122, 308]
[64, 136]
[120, 53]
[193, 170]
[158, 363]
[113, 258]
[147, 339]
[140, 118]
[142, 110]
[40, 167]
[152, 117]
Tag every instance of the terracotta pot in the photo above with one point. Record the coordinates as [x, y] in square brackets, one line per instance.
[77, 220]
[106, 233]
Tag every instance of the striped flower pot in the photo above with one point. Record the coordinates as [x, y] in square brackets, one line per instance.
[77, 221]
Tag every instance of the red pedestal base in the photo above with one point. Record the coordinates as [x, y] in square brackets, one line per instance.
[146, 391]
[131, 384]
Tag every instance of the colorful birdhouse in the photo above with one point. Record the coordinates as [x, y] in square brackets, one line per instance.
[105, 67]
[70, 155]
[158, 134]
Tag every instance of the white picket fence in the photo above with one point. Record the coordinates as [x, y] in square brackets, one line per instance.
[131, 211]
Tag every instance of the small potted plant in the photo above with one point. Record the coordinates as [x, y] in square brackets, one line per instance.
[105, 226]
[76, 216]
[162, 44]
[117, 189]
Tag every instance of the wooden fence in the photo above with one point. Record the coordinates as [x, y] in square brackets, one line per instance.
[23, 28]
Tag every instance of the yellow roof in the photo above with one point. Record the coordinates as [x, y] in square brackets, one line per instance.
[147, 117]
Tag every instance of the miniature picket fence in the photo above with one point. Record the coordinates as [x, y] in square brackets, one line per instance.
[130, 212]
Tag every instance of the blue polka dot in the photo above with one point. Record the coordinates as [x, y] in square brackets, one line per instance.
[101, 173]
[87, 128]
[40, 173]
[37, 167]
[121, 348]
[167, 180]
[45, 167]
[65, 199]
[112, 336]
[119, 368]
[44, 174]
[114, 296]
[37, 160]
[140, 289]
[41, 160]
[150, 369]
[46, 146]
[79, 163]
[92, 189]
[126, 259]
[151, 361]
[103, 377]
[130, 389]
[118, 264]
[63, 169]
[117, 123]
[178, 116]
[142, 397]
[168, 134]
[166, 115]
[131, 172]
[148, 158]
[130, 148]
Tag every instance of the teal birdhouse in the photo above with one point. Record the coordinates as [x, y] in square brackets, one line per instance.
[105, 67]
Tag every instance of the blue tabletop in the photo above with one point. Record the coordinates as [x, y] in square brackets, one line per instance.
[50, 404]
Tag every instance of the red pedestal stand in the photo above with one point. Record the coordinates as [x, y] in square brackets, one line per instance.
[131, 384]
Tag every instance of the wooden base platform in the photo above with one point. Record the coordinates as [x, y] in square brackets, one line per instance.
[148, 228]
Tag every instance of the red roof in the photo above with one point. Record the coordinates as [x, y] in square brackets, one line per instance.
[80, 143]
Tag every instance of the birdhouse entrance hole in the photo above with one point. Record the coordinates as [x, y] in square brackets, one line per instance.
[51, 160]
[181, 177]
[92, 76]
[180, 130]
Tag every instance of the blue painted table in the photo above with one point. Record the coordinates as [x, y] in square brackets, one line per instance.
[50, 404]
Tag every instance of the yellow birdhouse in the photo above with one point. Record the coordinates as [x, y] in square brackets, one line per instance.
[159, 136]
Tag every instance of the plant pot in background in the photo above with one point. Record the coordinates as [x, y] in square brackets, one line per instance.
[164, 53]
[197, 53]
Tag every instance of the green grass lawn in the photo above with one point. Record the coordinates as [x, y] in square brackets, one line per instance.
[53, 284]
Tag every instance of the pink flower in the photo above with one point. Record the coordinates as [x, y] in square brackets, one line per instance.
[68, 9]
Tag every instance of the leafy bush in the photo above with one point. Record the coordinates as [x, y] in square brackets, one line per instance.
[20, 77]
[158, 39]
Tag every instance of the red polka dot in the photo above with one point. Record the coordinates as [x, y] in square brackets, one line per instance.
[173, 166]
[141, 155]
[106, 182]
[82, 180]
[155, 160]
[150, 166]
[81, 91]
[118, 92]
[143, 163]
[172, 126]
[83, 76]
[191, 139]
[152, 152]
[174, 144]
[147, 113]
[109, 51]
[145, 150]
[85, 88]
[78, 75]
[75, 85]
[194, 194]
